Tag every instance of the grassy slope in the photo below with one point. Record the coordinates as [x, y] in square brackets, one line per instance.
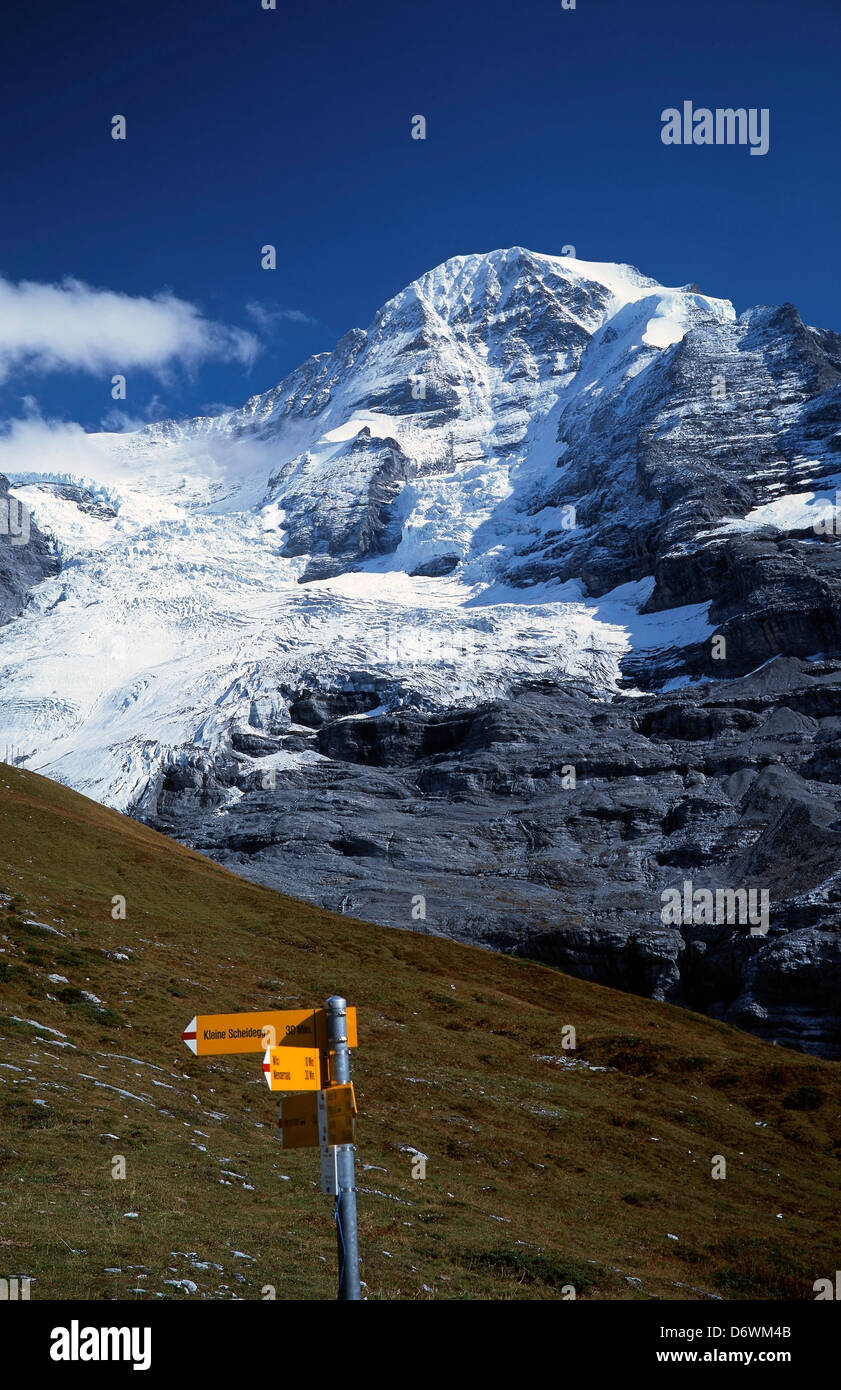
[538, 1175]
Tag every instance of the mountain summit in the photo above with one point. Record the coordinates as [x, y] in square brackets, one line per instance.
[544, 494]
[399, 505]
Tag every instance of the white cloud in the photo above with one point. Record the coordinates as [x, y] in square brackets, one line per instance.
[72, 326]
[37, 449]
[123, 422]
[34, 446]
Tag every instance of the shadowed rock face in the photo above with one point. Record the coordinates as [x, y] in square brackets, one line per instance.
[337, 532]
[23, 563]
[733, 416]
[726, 785]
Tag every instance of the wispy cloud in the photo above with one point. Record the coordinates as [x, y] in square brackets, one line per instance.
[123, 422]
[72, 326]
[50, 448]
[36, 448]
[266, 316]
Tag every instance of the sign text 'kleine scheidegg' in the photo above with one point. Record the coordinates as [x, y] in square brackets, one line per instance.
[254, 1032]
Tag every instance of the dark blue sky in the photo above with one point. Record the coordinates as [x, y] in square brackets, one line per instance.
[292, 126]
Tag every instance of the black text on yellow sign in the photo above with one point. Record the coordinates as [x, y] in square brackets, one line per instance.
[292, 1069]
[254, 1032]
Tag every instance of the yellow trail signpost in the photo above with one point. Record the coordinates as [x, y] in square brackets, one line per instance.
[304, 1051]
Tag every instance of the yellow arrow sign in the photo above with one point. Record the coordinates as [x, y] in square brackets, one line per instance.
[292, 1069]
[341, 1113]
[299, 1122]
[254, 1032]
[299, 1117]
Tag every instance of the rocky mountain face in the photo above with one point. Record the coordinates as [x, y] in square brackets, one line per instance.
[25, 557]
[507, 619]
[552, 824]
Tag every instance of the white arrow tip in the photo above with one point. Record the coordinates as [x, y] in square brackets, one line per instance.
[189, 1036]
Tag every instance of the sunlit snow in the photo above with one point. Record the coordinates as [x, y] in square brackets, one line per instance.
[176, 611]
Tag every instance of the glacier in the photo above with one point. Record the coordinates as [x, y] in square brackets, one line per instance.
[185, 548]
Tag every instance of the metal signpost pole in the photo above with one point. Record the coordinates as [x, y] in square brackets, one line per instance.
[347, 1233]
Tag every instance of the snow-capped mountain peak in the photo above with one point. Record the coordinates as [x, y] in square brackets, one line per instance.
[463, 495]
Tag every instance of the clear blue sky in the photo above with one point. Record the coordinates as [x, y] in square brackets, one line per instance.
[292, 127]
